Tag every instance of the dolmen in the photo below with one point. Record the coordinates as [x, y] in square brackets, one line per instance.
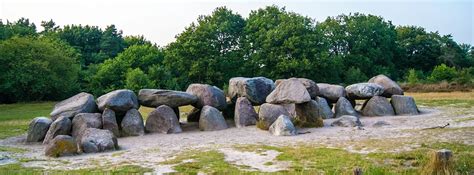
[83, 124]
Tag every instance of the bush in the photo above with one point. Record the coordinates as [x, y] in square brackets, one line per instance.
[136, 79]
[413, 77]
[464, 76]
[354, 75]
[442, 72]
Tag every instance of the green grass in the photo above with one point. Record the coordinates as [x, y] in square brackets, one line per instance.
[211, 162]
[12, 149]
[14, 118]
[17, 168]
[457, 103]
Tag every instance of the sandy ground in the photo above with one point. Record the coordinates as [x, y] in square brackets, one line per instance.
[402, 133]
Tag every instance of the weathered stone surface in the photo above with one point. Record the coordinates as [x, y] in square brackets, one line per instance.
[193, 115]
[404, 105]
[80, 103]
[331, 92]
[158, 97]
[344, 107]
[307, 115]
[61, 126]
[163, 120]
[289, 91]
[310, 86]
[380, 123]
[207, 95]
[132, 124]
[390, 87]
[211, 119]
[324, 109]
[83, 121]
[61, 145]
[378, 106]
[95, 140]
[37, 129]
[109, 122]
[283, 127]
[245, 114]
[268, 113]
[255, 89]
[347, 121]
[363, 90]
[118, 100]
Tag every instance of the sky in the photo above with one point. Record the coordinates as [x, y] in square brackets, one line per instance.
[160, 21]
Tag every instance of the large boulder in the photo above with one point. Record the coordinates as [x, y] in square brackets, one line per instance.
[363, 90]
[245, 114]
[289, 91]
[118, 100]
[404, 105]
[193, 115]
[61, 126]
[162, 120]
[324, 110]
[331, 92]
[82, 121]
[282, 127]
[377, 106]
[390, 87]
[61, 145]
[109, 122]
[157, 97]
[80, 103]
[211, 119]
[132, 124]
[268, 113]
[37, 129]
[207, 95]
[310, 86]
[347, 121]
[95, 140]
[255, 89]
[307, 115]
[344, 107]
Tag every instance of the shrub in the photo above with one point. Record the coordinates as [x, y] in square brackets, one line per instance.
[464, 76]
[354, 75]
[413, 77]
[136, 79]
[442, 72]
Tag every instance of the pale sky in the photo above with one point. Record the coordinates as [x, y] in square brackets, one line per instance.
[160, 21]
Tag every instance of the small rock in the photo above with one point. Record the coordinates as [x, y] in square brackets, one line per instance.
[380, 123]
[132, 124]
[390, 87]
[255, 89]
[331, 92]
[95, 140]
[118, 100]
[378, 106]
[289, 91]
[363, 90]
[324, 109]
[344, 107]
[347, 121]
[307, 115]
[61, 126]
[80, 103]
[38, 128]
[282, 127]
[404, 105]
[157, 97]
[268, 113]
[211, 119]
[61, 145]
[163, 120]
[207, 95]
[109, 122]
[245, 114]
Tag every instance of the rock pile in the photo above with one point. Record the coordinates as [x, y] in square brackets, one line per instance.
[81, 124]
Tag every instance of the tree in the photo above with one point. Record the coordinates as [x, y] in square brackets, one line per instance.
[22, 27]
[37, 69]
[136, 40]
[111, 42]
[136, 79]
[354, 75]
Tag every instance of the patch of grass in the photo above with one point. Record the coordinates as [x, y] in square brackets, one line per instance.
[12, 149]
[17, 168]
[203, 161]
[464, 119]
[14, 118]
[452, 99]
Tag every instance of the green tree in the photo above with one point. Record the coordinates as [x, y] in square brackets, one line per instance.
[21, 27]
[354, 75]
[136, 79]
[442, 72]
[413, 77]
[136, 40]
[37, 69]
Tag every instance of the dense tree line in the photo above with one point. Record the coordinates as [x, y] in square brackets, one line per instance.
[272, 42]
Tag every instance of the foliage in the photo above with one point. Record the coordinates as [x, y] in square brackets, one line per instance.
[354, 75]
[442, 72]
[413, 77]
[136, 79]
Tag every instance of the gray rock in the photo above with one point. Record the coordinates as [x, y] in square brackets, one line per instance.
[80, 103]
[37, 129]
[289, 91]
[347, 121]
[245, 114]
[363, 90]
[118, 100]
[307, 115]
[82, 121]
[255, 89]
[310, 86]
[268, 113]
[193, 115]
[61, 145]
[157, 97]
[207, 95]
[163, 120]
[132, 124]
[331, 92]
[282, 127]
[61, 126]
[95, 140]
[344, 107]
[378, 106]
[404, 105]
[324, 109]
[390, 87]
[109, 122]
[380, 123]
[211, 119]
